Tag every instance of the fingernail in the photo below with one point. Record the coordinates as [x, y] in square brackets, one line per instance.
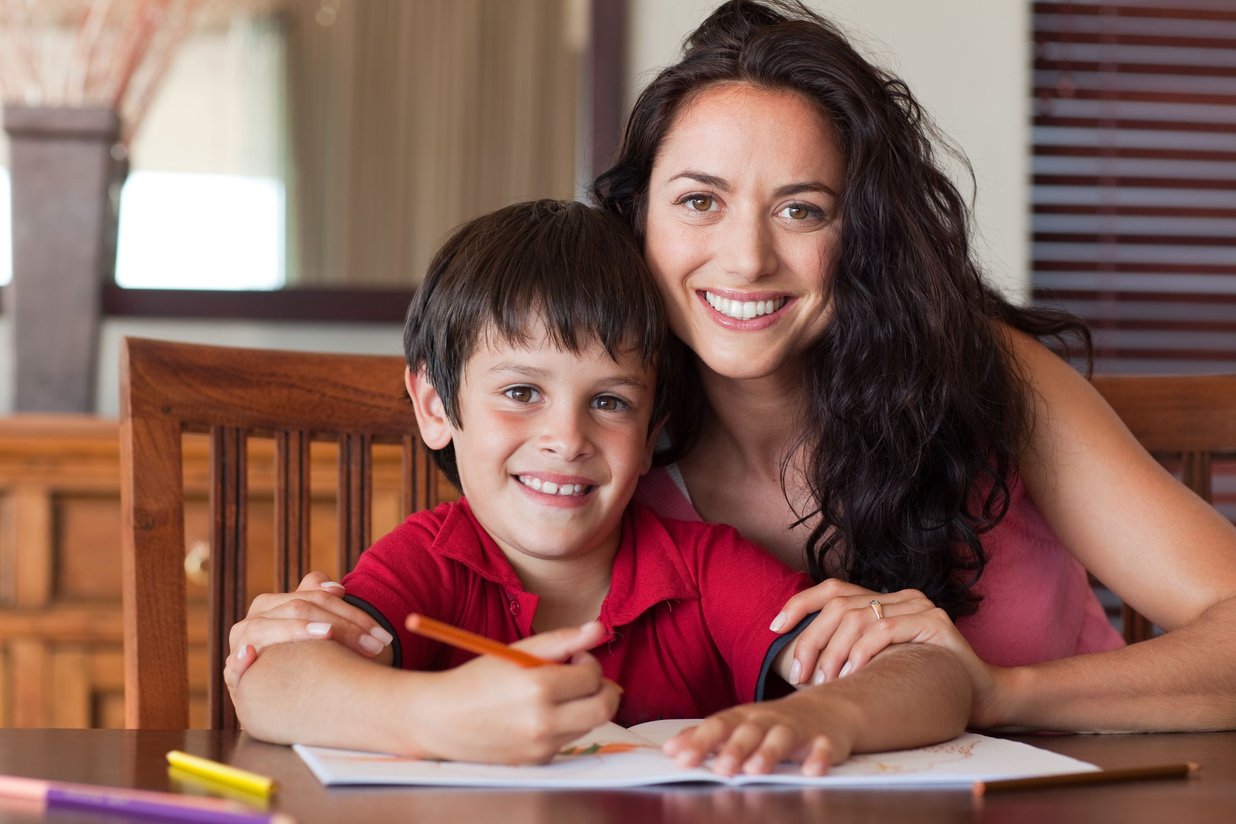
[778, 622]
[244, 652]
[845, 670]
[318, 629]
[591, 626]
[331, 585]
[382, 635]
[371, 645]
[796, 669]
[819, 677]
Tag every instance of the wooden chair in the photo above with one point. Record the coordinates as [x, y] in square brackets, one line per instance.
[234, 395]
[1187, 422]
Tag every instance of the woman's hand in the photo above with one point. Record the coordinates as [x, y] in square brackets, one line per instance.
[853, 624]
[315, 610]
[847, 634]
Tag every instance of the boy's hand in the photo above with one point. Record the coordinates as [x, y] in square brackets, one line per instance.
[495, 711]
[315, 610]
[755, 738]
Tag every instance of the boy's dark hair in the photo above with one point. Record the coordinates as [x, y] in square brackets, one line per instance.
[575, 268]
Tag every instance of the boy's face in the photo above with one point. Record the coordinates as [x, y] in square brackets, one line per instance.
[551, 444]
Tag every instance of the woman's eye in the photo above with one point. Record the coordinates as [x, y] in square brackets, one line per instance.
[700, 203]
[521, 394]
[800, 212]
[609, 403]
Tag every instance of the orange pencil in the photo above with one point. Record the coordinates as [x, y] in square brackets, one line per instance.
[470, 641]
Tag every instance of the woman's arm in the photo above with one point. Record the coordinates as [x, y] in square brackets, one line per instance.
[1151, 541]
[1145, 535]
[318, 692]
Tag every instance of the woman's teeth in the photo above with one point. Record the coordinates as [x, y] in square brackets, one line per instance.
[743, 309]
[551, 488]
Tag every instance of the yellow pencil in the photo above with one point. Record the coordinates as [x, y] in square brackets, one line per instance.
[222, 773]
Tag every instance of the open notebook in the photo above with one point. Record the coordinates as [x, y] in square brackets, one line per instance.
[612, 756]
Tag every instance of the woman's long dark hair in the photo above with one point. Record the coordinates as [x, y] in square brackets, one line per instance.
[915, 408]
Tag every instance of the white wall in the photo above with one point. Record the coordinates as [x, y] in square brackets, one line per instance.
[965, 60]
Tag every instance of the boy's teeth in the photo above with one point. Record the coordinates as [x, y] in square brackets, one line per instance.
[551, 488]
[743, 309]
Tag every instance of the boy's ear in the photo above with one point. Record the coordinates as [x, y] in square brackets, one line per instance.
[650, 446]
[436, 429]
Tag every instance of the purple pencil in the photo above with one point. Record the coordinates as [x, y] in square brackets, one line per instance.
[140, 803]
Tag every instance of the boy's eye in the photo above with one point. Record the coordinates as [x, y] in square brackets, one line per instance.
[521, 394]
[609, 403]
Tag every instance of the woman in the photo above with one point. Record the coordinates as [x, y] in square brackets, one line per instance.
[897, 427]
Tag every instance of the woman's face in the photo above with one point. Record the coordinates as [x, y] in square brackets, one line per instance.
[743, 230]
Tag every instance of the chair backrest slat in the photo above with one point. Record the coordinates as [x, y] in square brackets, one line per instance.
[355, 498]
[228, 558]
[291, 509]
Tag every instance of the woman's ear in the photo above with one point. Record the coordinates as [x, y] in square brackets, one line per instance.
[435, 426]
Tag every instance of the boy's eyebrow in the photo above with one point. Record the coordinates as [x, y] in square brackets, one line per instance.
[531, 372]
[517, 368]
[781, 191]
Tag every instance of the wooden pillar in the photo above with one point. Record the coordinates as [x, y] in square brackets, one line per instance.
[66, 165]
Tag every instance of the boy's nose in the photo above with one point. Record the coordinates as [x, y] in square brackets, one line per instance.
[566, 434]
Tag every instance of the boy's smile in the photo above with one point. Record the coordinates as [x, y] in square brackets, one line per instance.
[550, 446]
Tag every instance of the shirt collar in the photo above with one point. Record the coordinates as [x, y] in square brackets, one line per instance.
[648, 568]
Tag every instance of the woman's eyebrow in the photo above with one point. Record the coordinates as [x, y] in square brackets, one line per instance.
[702, 177]
[781, 191]
[800, 188]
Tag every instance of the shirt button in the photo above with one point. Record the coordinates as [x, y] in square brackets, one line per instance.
[514, 607]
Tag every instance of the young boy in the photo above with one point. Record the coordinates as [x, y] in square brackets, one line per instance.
[532, 352]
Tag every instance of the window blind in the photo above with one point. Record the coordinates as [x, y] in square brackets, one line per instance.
[1134, 182]
[1134, 178]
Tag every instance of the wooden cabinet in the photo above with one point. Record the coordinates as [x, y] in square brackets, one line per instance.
[61, 635]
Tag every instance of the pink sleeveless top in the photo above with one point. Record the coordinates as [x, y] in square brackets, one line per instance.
[1037, 601]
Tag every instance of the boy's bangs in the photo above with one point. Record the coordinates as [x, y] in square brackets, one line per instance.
[582, 287]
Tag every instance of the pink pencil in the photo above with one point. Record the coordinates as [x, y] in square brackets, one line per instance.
[139, 803]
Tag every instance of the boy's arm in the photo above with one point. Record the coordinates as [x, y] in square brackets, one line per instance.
[318, 692]
[907, 696]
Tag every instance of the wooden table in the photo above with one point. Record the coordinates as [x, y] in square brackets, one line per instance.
[135, 759]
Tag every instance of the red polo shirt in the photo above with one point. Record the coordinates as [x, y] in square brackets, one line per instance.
[686, 618]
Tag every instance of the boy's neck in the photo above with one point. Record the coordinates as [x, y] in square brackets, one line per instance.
[569, 591]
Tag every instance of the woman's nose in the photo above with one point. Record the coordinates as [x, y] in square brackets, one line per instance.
[746, 248]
